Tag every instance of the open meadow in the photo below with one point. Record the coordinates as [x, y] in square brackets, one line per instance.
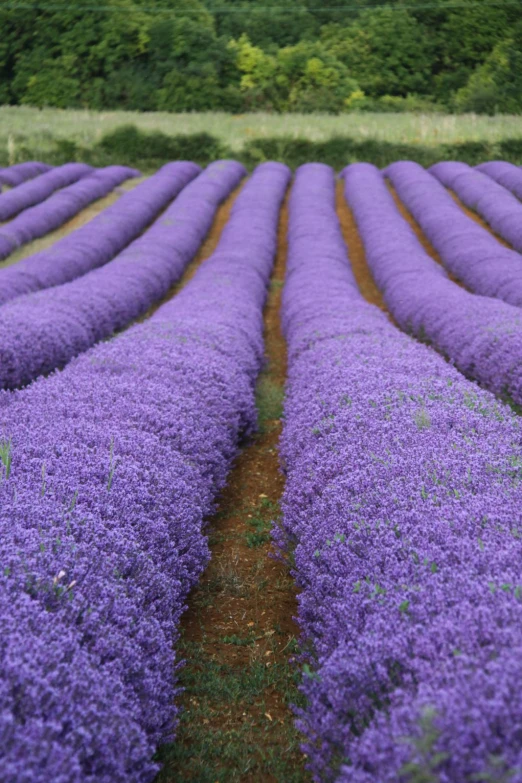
[26, 132]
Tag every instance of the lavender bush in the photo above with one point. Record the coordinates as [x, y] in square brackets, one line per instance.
[101, 238]
[39, 188]
[506, 174]
[21, 172]
[44, 330]
[482, 336]
[469, 251]
[402, 510]
[60, 207]
[109, 469]
[500, 208]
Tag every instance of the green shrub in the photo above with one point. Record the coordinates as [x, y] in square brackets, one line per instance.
[148, 151]
[411, 104]
[511, 149]
[496, 85]
[336, 152]
[127, 144]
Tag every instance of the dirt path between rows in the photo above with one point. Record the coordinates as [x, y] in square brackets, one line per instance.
[476, 217]
[356, 253]
[238, 635]
[419, 233]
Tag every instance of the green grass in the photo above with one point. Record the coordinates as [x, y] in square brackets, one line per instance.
[269, 402]
[222, 743]
[147, 141]
[260, 523]
[39, 127]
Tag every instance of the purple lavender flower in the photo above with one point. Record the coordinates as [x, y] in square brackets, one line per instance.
[500, 208]
[402, 509]
[44, 330]
[101, 238]
[21, 172]
[480, 335]
[113, 465]
[60, 207]
[505, 174]
[467, 249]
[38, 189]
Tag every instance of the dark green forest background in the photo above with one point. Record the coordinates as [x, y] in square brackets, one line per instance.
[263, 55]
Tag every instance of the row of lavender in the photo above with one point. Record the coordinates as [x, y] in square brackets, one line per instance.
[98, 240]
[62, 205]
[402, 512]
[38, 189]
[487, 191]
[109, 469]
[481, 335]
[12, 176]
[44, 330]
[467, 250]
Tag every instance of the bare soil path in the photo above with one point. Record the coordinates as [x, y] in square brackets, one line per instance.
[238, 634]
[356, 252]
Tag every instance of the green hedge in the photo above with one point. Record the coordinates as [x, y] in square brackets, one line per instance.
[340, 151]
[130, 146]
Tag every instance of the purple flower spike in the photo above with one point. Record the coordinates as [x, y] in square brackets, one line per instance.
[38, 189]
[480, 335]
[100, 239]
[21, 172]
[468, 250]
[500, 208]
[402, 509]
[60, 207]
[44, 330]
[114, 464]
[506, 174]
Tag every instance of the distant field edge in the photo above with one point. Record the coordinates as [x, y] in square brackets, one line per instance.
[130, 145]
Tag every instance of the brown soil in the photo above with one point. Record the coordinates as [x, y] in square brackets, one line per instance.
[474, 216]
[356, 252]
[243, 594]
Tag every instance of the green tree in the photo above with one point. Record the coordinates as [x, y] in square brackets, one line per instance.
[198, 69]
[496, 85]
[466, 38]
[305, 77]
[270, 24]
[387, 51]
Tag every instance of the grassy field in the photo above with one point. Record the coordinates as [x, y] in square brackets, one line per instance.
[38, 128]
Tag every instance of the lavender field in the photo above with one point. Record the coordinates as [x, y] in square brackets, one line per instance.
[261, 473]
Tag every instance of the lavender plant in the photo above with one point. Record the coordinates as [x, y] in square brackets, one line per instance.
[506, 174]
[44, 330]
[482, 336]
[38, 189]
[402, 514]
[100, 239]
[60, 207]
[500, 208]
[467, 249]
[137, 436]
[21, 172]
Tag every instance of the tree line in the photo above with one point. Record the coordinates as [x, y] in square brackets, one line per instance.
[263, 55]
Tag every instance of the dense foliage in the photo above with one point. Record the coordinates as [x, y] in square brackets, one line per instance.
[194, 55]
[400, 508]
[102, 504]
